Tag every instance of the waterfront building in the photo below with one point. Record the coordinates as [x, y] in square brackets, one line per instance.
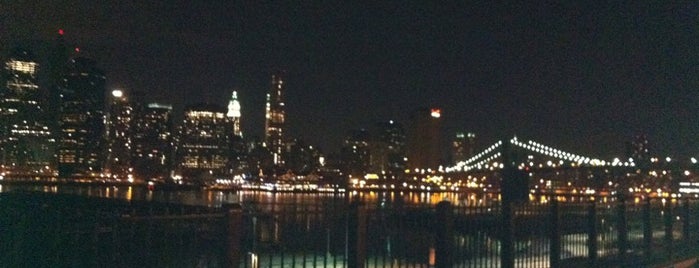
[81, 140]
[424, 139]
[152, 141]
[275, 118]
[26, 142]
[118, 132]
[234, 114]
[204, 146]
[462, 147]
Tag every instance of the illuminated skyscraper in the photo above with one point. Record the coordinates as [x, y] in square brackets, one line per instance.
[204, 149]
[118, 129]
[234, 114]
[424, 139]
[274, 119]
[26, 144]
[81, 141]
[152, 141]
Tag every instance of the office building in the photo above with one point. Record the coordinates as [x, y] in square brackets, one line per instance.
[26, 142]
[81, 140]
[462, 147]
[355, 153]
[204, 146]
[118, 132]
[274, 119]
[152, 156]
[388, 148]
[301, 159]
[58, 57]
[234, 114]
[424, 139]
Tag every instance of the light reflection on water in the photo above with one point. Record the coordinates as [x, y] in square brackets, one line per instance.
[291, 211]
[218, 198]
[270, 200]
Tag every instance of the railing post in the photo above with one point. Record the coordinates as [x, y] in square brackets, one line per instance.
[685, 221]
[555, 232]
[356, 237]
[234, 227]
[507, 253]
[444, 239]
[647, 232]
[592, 233]
[668, 229]
[622, 230]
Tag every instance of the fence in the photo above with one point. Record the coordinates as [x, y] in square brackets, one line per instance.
[557, 232]
[44, 230]
[49, 230]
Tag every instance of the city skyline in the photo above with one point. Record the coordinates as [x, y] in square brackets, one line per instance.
[585, 77]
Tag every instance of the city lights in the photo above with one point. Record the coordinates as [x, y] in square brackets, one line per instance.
[436, 113]
[124, 140]
[117, 93]
[349, 134]
[22, 66]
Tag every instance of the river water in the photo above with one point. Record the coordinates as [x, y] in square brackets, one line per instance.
[216, 198]
[298, 228]
[310, 229]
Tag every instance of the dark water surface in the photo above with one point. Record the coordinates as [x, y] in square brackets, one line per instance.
[279, 229]
[130, 226]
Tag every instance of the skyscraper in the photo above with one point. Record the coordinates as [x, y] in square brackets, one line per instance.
[152, 141]
[462, 146]
[355, 153]
[118, 132]
[81, 139]
[424, 139]
[26, 144]
[388, 150]
[204, 148]
[58, 58]
[274, 118]
[234, 114]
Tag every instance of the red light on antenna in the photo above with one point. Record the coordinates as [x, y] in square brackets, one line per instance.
[60, 31]
[77, 49]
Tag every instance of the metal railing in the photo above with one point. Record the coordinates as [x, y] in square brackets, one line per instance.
[44, 230]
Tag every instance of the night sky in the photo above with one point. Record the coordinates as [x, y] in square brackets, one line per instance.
[583, 77]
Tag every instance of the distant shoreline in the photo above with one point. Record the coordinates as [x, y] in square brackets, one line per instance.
[57, 182]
